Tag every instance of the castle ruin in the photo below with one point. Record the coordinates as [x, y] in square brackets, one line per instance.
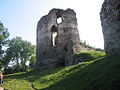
[110, 18]
[57, 38]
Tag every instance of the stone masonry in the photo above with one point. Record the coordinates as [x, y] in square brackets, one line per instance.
[57, 41]
[110, 19]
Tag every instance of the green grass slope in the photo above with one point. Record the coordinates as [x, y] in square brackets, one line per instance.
[99, 73]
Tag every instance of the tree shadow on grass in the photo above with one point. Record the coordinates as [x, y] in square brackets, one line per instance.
[32, 75]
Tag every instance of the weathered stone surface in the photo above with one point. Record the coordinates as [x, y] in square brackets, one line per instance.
[110, 18]
[53, 52]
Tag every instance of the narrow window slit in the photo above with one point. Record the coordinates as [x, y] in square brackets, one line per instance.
[53, 35]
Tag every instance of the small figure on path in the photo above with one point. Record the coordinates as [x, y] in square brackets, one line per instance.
[1, 88]
[1, 78]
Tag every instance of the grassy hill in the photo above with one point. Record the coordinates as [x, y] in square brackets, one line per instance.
[96, 73]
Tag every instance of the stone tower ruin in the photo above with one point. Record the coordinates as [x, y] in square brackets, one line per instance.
[57, 38]
[110, 18]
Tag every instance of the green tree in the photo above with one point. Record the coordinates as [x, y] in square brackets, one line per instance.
[4, 34]
[32, 61]
[27, 51]
[19, 52]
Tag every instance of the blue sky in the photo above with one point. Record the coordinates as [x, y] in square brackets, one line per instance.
[21, 17]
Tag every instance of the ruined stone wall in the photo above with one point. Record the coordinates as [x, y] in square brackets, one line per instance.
[53, 52]
[110, 19]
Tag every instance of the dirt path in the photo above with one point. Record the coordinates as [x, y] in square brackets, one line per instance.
[33, 87]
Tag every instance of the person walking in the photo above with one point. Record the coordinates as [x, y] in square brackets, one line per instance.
[1, 78]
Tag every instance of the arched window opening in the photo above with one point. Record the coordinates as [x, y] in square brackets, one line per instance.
[59, 20]
[53, 35]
